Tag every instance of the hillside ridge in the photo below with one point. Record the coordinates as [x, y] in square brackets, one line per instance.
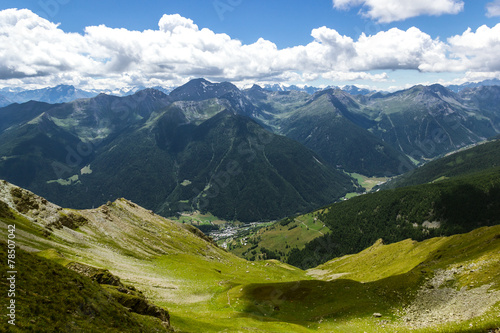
[207, 289]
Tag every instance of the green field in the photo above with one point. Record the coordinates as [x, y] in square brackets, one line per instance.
[276, 240]
[368, 182]
[197, 218]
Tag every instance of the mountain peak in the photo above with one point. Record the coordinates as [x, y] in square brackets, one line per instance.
[199, 80]
[440, 90]
[151, 92]
[200, 89]
[256, 87]
[63, 86]
[436, 87]
[333, 91]
[433, 90]
[355, 90]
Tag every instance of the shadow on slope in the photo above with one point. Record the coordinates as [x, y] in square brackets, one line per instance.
[412, 285]
[51, 298]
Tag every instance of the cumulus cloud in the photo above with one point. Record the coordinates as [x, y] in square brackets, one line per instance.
[172, 22]
[493, 9]
[398, 49]
[477, 51]
[354, 76]
[32, 46]
[36, 51]
[385, 11]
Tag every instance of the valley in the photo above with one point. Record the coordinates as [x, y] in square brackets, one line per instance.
[215, 209]
[205, 288]
[210, 147]
[234, 166]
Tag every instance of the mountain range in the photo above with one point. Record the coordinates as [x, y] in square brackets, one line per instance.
[245, 155]
[378, 134]
[68, 93]
[58, 94]
[168, 153]
[421, 253]
[61, 94]
[459, 87]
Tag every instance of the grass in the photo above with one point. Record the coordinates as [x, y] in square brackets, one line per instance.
[207, 289]
[201, 293]
[277, 237]
[440, 179]
[380, 261]
[368, 182]
[65, 182]
[197, 218]
[383, 261]
[350, 195]
[54, 255]
[381, 279]
[51, 298]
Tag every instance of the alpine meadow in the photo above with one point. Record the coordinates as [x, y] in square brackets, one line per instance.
[247, 166]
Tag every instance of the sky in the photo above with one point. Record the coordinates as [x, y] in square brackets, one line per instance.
[377, 44]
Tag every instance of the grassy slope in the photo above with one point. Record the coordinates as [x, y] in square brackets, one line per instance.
[387, 279]
[175, 268]
[459, 205]
[196, 218]
[280, 237]
[51, 298]
[207, 289]
[368, 183]
[467, 261]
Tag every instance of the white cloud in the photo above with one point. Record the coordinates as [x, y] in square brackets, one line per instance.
[354, 76]
[385, 11]
[493, 9]
[398, 49]
[36, 51]
[32, 46]
[172, 22]
[480, 76]
[477, 51]
[331, 48]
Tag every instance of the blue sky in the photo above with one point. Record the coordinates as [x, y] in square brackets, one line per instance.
[264, 42]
